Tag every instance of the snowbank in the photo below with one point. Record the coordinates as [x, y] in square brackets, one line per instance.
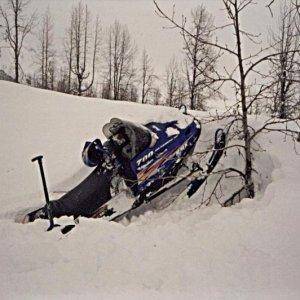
[247, 251]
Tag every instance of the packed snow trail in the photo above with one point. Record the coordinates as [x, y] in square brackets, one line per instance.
[247, 251]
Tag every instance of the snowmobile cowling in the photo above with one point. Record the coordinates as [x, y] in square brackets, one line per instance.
[162, 161]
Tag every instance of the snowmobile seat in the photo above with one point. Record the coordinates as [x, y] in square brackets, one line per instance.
[130, 138]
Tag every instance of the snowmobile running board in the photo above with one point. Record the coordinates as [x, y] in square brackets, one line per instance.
[158, 201]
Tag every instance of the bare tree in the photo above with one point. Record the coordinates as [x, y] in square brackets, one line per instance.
[297, 12]
[147, 77]
[285, 66]
[16, 25]
[199, 57]
[247, 90]
[68, 49]
[119, 59]
[172, 72]
[108, 78]
[45, 54]
[81, 48]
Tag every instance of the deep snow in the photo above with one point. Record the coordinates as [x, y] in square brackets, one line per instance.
[250, 250]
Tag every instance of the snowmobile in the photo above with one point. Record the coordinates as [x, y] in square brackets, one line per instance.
[147, 157]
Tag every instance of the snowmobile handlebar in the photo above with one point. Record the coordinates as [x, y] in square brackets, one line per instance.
[38, 158]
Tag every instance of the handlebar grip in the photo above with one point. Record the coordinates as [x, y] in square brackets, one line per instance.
[40, 157]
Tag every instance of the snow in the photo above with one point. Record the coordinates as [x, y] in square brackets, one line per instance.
[172, 131]
[250, 250]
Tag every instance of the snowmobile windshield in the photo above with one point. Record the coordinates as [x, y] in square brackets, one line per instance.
[138, 136]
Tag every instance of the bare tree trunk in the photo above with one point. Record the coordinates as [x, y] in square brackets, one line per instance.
[282, 101]
[110, 66]
[46, 52]
[16, 50]
[248, 157]
[193, 84]
[147, 77]
[69, 50]
[171, 82]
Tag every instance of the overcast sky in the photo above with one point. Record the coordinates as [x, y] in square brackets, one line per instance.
[147, 28]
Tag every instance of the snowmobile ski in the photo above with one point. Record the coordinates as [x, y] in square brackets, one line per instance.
[160, 200]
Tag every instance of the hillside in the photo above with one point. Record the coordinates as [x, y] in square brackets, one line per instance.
[250, 250]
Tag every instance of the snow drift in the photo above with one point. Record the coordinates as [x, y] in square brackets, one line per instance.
[245, 251]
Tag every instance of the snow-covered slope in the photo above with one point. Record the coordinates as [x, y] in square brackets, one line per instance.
[247, 251]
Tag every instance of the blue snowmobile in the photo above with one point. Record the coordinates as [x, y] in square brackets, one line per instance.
[146, 157]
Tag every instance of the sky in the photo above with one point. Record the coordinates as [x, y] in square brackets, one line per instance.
[147, 29]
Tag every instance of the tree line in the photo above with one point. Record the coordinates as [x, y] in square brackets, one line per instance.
[104, 62]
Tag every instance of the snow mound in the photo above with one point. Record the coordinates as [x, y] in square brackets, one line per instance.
[247, 251]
